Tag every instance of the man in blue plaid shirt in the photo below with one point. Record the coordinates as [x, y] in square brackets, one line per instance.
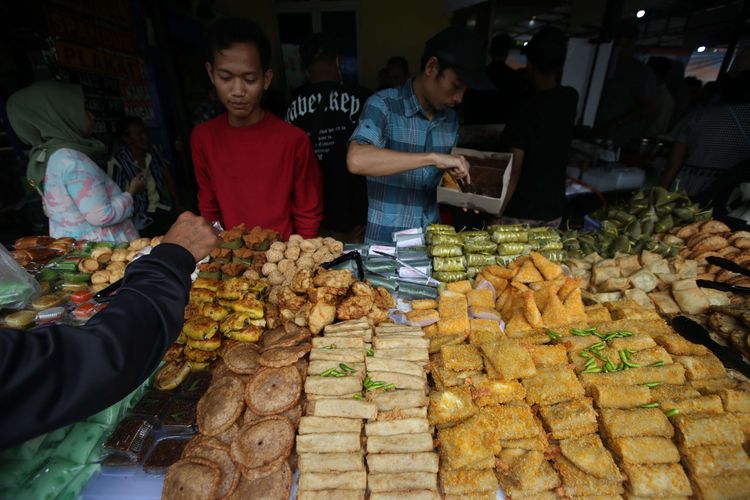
[405, 135]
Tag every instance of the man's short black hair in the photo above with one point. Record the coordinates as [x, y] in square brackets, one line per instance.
[225, 32]
[547, 50]
[398, 61]
[122, 128]
[318, 47]
[500, 45]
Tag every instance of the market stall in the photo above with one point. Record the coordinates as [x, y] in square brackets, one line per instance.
[454, 363]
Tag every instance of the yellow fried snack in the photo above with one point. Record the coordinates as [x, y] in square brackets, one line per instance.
[537, 486]
[201, 295]
[686, 406]
[521, 466]
[702, 430]
[636, 422]
[721, 487]
[195, 354]
[552, 385]
[485, 325]
[568, 287]
[616, 396]
[509, 359]
[702, 367]
[500, 284]
[513, 422]
[667, 374]
[467, 482]
[716, 460]
[464, 444]
[645, 450]
[233, 289]
[250, 334]
[589, 454]
[487, 392]
[423, 316]
[518, 326]
[454, 315]
[208, 284]
[200, 327]
[597, 314]
[549, 270]
[421, 304]
[579, 483]
[210, 344]
[481, 298]
[250, 306]
[574, 309]
[451, 405]
[545, 356]
[657, 480]
[531, 311]
[528, 273]
[479, 337]
[735, 401]
[554, 313]
[462, 287]
[464, 357]
[569, 419]
[214, 311]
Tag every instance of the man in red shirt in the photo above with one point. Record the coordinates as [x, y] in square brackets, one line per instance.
[251, 166]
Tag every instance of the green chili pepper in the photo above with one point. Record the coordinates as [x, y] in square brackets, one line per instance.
[609, 366]
[658, 363]
[630, 364]
[650, 405]
[346, 368]
[370, 352]
[553, 335]
[585, 354]
[651, 385]
[589, 364]
[358, 396]
[593, 370]
[328, 372]
[672, 412]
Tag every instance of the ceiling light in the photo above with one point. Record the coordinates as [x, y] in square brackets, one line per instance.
[525, 44]
[702, 48]
[640, 13]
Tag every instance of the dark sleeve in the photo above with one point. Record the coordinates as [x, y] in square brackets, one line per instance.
[56, 375]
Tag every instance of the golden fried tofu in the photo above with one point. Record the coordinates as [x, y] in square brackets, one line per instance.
[619, 396]
[553, 385]
[451, 405]
[233, 289]
[537, 443]
[454, 315]
[214, 311]
[464, 444]
[481, 298]
[635, 422]
[421, 304]
[513, 422]
[716, 460]
[467, 482]
[200, 327]
[250, 306]
[701, 367]
[703, 430]
[589, 454]
[462, 357]
[200, 295]
[354, 307]
[509, 359]
[487, 391]
[645, 450]
[578, 482]
[207, 284]
[423, 316]
[657, 480]
[480, 337]
[462, 287]
[569, 419]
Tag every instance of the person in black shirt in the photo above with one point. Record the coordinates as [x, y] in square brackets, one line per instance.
[540, 131]
[328, 111]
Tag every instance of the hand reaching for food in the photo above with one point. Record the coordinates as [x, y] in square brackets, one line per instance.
[194, 234]
[455, 165]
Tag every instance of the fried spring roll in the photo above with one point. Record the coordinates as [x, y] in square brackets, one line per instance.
[400, 380]
[589, 454]
[701, 404]
[702, 367]
[402, 413]
[402, 443]
[646, 450]
[332, 495]
[394, 427]
[378, 482]
[338, 343]
[400, 399]
[716, 460]
[322, 425]
[614, 396]
[545, 356]
[316, 481]
[331, 462]
[579, 483]
[636, 422]
[342, 408]
[701, 430]
[332, 386]
[665, 392]
[338, 355]
[318, 367]
[412, 368]
[735, 401]
[329, 443]
[400, 462]
[713, 385]
[723, 487]
[676, 345]
[657, 480]
[552, 385]
[406, 495]
[401, 342]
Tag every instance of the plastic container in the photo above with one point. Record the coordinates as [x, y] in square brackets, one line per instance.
[81, 296]
[86, 311]
[50, 315]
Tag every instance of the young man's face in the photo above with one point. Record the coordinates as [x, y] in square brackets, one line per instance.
[136, 139]
[444, 89]
[239, 79]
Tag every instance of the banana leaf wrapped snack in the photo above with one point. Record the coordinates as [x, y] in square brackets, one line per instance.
[449, 277]
[513, 248]
[446, 251]
[447, 264]
[510, 236]
[477, 246]
[445, 239]
[479, 260]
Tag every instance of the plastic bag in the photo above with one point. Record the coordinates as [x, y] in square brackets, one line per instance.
[447, 264]
[17, 287]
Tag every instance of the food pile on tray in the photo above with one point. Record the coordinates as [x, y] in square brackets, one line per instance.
[611, 402]
[460, 255]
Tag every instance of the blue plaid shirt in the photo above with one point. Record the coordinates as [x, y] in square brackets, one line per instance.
[393, 119]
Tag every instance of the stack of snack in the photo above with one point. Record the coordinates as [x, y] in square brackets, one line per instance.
[731, 326]
[714, 238]
[667, 285]
[318, 298]
[329, 443]
[283, 260]
[218, 309]
[32, 252]
[247, 421]
[400, 456]
[241, 253]
[519, 239]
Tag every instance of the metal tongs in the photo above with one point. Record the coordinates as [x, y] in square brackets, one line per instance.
[353, 255]
[429, 280]
[729, 266]
[697, 334]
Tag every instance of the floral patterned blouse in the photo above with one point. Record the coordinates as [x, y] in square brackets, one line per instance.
[82, 202]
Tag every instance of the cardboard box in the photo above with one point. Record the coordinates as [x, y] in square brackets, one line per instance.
[490, 178]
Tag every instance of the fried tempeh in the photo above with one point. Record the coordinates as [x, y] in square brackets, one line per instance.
[400, 462]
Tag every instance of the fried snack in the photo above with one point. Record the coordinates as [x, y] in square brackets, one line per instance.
[423, 317]
[454, 315]
[423, 304]
[521, 466]
[342, 408]
[677, 345]
[513, 422]
[401, 481]
[263, 443]
[716, 460]
[251, 333]
[200, 327]
[481, 297]
[451, 405]
[657, 480]
[399, 342]
[569, 419]
[220, 406]
[488, 392]
[316, 481]
[273, 390]
[462, 357]
[400, 380]
[395, 427]
[636, 422]
[199, 295]
[192, 479]
[549, 270]
[589, 454]
[665, 392]
[250, 306]
[668, 374]
[276, 485]
[405, 354]
[230, 476]
[282, 356]
[171, 375]
[645, 450]
[399, 462]
[332, 386]
[463, 445]
[552, 385]
[577, 482]
[702, 430]
[462, 287]
[722, 487]
[318, 425]
[400, 399]
[331, 462]
[542, 481]
[412, 368]
[328, 443]
[509, 359]
[528, 273]
[198, 355]
[735, 401]
[615, 396]
[406, 443]
[711, 386]
[466, 482]
[702, 367]
[242, 358]
[332, 495]
[686, 406]
[545, 356]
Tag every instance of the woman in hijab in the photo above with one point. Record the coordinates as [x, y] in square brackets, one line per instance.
[79, 199]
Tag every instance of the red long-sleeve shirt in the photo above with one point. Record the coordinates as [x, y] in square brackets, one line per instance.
[262, 175]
